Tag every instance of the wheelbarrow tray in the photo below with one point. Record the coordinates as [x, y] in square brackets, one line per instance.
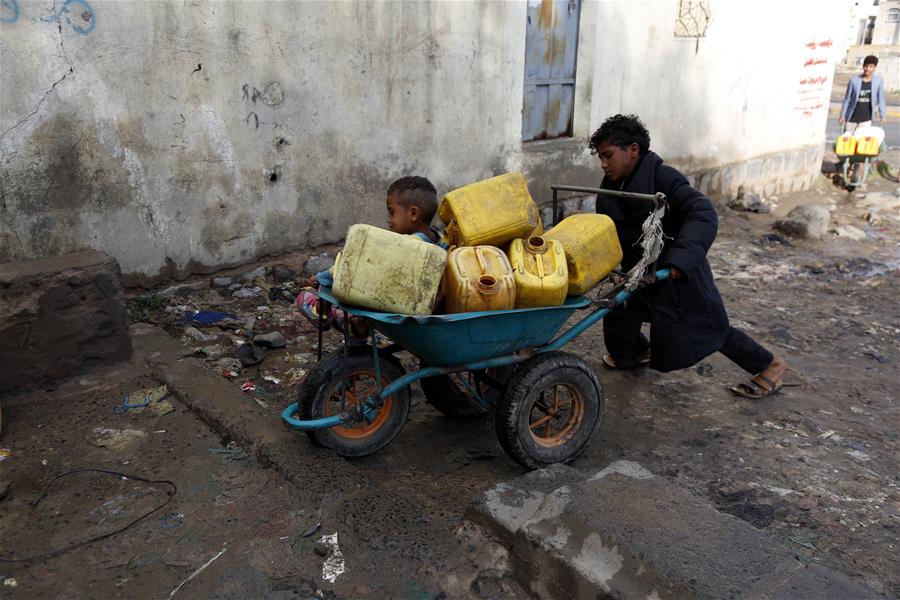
[456, 339]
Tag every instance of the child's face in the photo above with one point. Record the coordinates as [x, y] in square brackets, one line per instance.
[868, 70]
[618, 163]
[401, 218]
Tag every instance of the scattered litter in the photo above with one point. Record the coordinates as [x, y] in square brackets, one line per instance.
[272, 379]
[333, 566]
[262, 403]
[263, 309]
[114, 439]
[311, 530]
[5, 453]
[803, 543]
[231, 453]
[196, 334]
[44, 462]
[171, 520]
[247, 292]
[248, 386]
[208, 318]
[10, 582]
[198, 571]
[152, 397]
[160, 431]
[228, 373]
[861, 456]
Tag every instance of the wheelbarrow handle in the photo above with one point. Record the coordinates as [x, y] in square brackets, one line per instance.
[657, 199]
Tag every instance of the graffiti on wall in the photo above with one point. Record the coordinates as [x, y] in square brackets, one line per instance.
[75, 14]
[813, 88]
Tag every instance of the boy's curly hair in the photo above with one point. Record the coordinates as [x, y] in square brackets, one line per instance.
[622, 131]
[416, 191]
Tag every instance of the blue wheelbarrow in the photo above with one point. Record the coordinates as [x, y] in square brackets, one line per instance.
[547, 404]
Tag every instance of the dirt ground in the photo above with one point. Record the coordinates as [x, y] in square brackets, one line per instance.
[815, 466]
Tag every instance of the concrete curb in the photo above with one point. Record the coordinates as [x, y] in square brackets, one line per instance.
[234, 415]
[624, 533]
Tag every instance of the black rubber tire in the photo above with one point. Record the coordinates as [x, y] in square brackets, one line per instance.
[453, 400]
[321, 386]
[533, 378]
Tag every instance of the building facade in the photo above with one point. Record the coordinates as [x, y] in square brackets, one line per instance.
[181, 137]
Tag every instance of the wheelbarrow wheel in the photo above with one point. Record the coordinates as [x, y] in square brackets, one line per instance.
[551, 410]
[452, 397]
[336, 385]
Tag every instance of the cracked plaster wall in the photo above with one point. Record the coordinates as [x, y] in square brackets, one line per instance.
[184, 137]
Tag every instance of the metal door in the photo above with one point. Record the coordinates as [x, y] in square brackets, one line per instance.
[550, 51]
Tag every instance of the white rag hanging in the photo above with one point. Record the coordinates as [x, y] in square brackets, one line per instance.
[651, 242]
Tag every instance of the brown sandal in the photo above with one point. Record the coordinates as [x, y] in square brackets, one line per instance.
[759, 387]
[610, 363]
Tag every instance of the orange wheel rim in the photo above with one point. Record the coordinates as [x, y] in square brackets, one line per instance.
[555, 415]
[359, 386]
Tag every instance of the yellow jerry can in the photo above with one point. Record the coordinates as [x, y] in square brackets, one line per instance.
[867, 145]
[540, 272]
[845, 145]
[490, 212]
[478, 278]
[592, 249]
[389, 272]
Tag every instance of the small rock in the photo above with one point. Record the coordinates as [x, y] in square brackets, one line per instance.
[273, 339]
[246, 292]
[805, 221]
[320, 548]
[316, 264]
[221, 282]
[849, 231]
[249, 355]
[180, 290]
[748, 201]
[281, 273]
[211, 352]
[196, 334]
[4, 489]
[234, 286]
[251, 275]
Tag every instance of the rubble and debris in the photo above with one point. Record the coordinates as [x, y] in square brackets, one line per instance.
[221, 282]
[5, 453]
[196, 334]
[273, 339]
[248, 386]
[254, 274]
[247, 292]
[849, 231]
[317, 264]
[748, 201]
[114, 439]
[281, 274]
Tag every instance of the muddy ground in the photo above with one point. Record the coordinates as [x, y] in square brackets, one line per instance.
[815, 466]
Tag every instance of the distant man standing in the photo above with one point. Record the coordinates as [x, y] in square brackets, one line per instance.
[864, 92]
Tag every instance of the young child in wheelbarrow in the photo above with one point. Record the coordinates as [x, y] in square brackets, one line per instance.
[411, 205]
[686, 313]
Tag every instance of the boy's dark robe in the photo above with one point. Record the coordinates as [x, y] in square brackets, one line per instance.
[688, 320]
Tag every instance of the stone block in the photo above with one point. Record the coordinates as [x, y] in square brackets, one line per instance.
[60, 316]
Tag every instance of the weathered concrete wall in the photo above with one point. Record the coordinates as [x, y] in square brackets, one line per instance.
[60, 316]
[181, 137]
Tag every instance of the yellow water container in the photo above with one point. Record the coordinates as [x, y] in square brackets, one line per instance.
[490, 212]
[387, 271]
[867, 145]
[478, 278]
[540, 272]
[845, 145]
[592, 248]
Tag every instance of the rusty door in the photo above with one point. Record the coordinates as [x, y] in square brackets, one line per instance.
[550, 52]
